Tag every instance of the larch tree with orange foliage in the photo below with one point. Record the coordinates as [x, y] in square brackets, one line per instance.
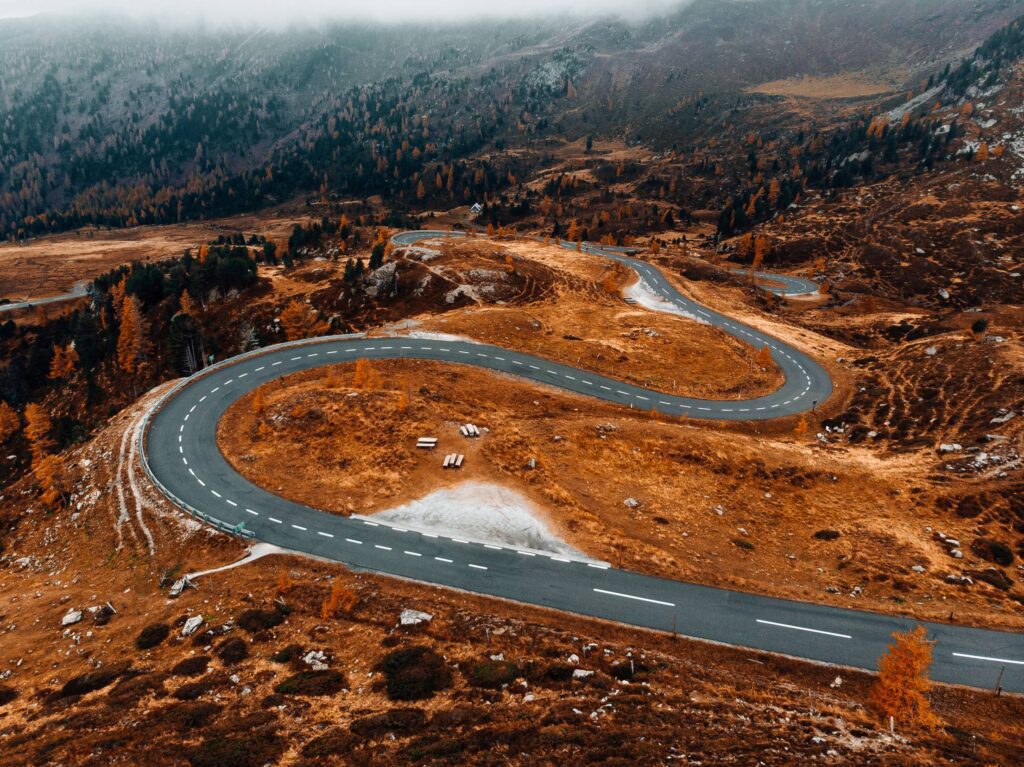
[901, 691]
[763, 358]
[45, 466]
[366, 376]
[133, 338]
[64, 361]
[9, 422]
[340, 599]
[300, 320]
[37, 429]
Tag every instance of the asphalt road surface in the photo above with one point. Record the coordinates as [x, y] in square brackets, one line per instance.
[181, 454]
[80, 290]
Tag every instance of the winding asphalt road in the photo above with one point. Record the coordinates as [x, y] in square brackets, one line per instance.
[80, 290]
[180, 452]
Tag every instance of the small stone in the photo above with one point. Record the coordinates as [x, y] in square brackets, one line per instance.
[581, 673]
[191, 625]
[631, 503]
[414, 617]
[71, 617]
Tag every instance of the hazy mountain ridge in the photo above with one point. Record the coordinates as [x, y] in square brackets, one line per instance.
[103, 114]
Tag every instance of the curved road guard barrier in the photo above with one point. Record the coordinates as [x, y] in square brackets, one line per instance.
[180, 452]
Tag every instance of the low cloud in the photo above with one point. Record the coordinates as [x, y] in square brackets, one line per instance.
[279, 14]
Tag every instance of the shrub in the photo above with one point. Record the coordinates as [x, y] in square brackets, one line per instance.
[193, 690]
[414, 673]
[193, 666]
[188, 716]
[7, 694]
[334, 741]
[492, 674]
[826, 535]
[287, 654]
[132, 688]
[92, 681]
[241, 751]
[256, 620]
[152, 635]
[397, 720]
[233, 650]
[743, 543]
[992, 551]
[555, 672]
[327, 682]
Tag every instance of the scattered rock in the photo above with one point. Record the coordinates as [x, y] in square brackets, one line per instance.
[582, 673]
[414, 618]
[316, 660]
[950, 447]
[631, 503]
[191, 625]
[71, 617]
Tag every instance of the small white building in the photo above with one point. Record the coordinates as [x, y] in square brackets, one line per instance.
[477, 209]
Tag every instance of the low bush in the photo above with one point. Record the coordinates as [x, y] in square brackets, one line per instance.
[7, 694]
[193, 690]
[152, 635]
[826, 535]
[193, 666]
[333, 742]
[287, 654]
[238, 751]
[414, 673]
[256, 620]
[131, 688]
[187, 716]
[397, 720]
[992, 551]
[327, 682]
[233, 650]
[492, 674]
[93, 680]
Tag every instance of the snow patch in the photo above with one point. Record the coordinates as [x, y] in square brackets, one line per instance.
[427, 335]
[258, 551]
[645, 296]
[480, 512]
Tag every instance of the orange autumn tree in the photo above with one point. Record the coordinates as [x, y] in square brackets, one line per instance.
[901, 691]
[65, 358]
[45, 466]
[763, 358]
[9, 422]
[300, 320]
[133, 338]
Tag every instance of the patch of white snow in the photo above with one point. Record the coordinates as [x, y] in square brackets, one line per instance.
[480, 512]
[646, 297]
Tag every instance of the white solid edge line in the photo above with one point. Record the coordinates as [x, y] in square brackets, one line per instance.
[985, 657]
[802, 628]
[639, 599]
